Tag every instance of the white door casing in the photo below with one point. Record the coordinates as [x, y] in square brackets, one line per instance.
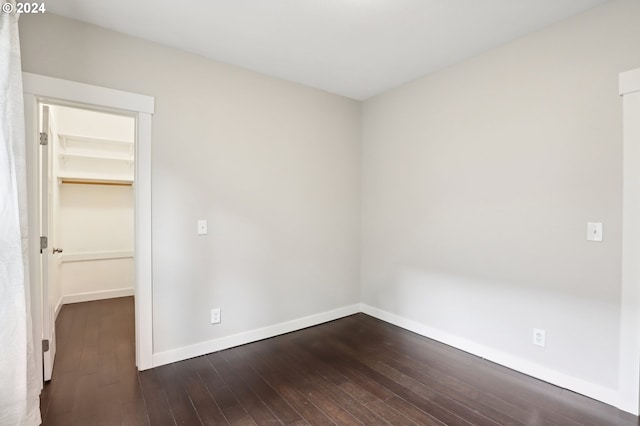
[37, 89]
[629, 365]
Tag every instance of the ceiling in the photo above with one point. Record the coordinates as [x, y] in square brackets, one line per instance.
[355, 48]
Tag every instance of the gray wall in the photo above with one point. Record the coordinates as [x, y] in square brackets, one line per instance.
[478, 183]
[273, 166]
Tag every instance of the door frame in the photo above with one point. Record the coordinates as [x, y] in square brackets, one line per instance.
[629, 364]
[38, 88]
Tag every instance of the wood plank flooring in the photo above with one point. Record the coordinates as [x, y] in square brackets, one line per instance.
[353, 371]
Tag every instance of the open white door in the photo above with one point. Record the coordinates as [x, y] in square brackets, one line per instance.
[46, 250]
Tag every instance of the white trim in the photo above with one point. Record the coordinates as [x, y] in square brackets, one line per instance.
[57, 310]
[601, 393]
[142, 244]
[41, 88]
[629, 82]
[226, 342]
[629, 361]
[95, 255]
[96, 295]
[72, 91]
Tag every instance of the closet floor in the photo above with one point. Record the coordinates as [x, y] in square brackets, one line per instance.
[356, 370]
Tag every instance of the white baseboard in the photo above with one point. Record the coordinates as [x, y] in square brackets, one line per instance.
[191, 351]
[96, 295]
[600, 393]
[57, 310]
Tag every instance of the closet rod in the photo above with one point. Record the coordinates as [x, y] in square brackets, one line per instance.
[89, 182]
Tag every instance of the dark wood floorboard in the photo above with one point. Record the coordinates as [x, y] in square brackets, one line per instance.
[353, 371]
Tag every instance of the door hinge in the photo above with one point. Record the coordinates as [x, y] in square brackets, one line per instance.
[44, 138]
[44, 243]
[45, 346]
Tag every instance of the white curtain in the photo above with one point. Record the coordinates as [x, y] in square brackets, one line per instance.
[19, 382]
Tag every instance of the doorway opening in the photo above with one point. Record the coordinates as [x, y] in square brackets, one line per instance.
[87, 176]
[39, 89]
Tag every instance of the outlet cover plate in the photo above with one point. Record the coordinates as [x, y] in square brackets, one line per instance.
[202, 227]
[539, 337]
[594, 231]
[215, 316]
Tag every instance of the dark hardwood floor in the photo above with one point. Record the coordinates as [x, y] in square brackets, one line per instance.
[357, 370]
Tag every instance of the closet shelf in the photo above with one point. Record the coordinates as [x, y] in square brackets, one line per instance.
[126, 159]
[83, 180]
[95, 161]
[84, 140]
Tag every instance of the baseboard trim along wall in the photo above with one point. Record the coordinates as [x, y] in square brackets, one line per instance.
[600, 393]
[57, 309]
[96, 295]
[191, 351]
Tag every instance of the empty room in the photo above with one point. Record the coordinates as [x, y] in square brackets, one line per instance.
[400, 212]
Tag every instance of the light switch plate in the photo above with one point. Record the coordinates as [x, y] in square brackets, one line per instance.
[594, 231]
[202, 227]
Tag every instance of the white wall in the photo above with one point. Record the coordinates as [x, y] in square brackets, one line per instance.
[273, 166]
[96, 219]
[94, 124]
[478, 182]
[93, 219]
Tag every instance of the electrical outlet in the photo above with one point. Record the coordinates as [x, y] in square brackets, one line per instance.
[215, 315]
[594, 231]
[202, 227]
[539, 337]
